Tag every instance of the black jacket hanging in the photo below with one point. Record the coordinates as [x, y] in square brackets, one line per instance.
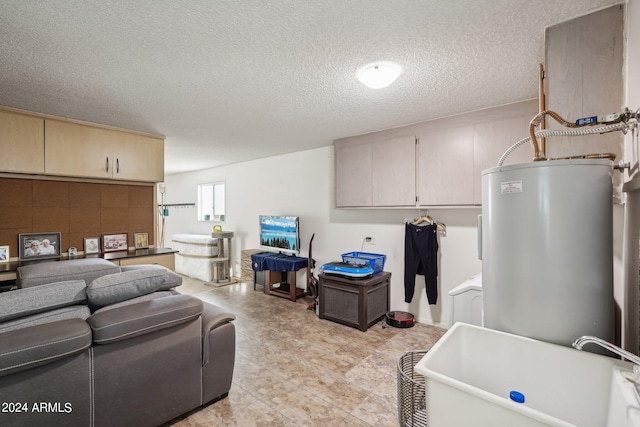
[421, 257]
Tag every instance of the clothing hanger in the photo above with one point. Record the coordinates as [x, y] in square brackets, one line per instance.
[427, 220]
[423, 219]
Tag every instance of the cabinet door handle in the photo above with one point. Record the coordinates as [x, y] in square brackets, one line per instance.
[107, 164]
[117, 165]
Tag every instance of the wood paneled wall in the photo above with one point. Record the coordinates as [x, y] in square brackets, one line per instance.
[584, 77]
[75, 209]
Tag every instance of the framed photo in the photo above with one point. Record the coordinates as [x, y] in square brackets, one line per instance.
[4, 253]
[142, 240]
[114, 242]
[34, 246]
[91, 245]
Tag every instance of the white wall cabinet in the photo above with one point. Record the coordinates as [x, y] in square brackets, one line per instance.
[389, 169]
[353, 174]
[73, 149]
[367, 175]
[445, 167]
[21, 143]
[390, 188]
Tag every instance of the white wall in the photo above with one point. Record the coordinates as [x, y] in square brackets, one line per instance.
[302, 184]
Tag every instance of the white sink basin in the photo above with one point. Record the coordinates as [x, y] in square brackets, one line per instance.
[470, 372]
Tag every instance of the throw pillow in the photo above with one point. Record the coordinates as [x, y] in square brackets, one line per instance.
[114, 288]
[171, 279]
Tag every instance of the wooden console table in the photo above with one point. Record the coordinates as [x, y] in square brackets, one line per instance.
[281, 270]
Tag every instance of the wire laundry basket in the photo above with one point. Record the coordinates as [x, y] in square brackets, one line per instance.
[412, 408]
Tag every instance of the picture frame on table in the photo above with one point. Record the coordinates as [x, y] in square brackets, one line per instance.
[4, 254]
[91, 245]
[141, 240]
[115, 242]
[33, 246]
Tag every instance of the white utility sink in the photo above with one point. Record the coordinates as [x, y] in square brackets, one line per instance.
[470, 372]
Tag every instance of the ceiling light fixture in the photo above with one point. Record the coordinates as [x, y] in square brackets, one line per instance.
[379, 74]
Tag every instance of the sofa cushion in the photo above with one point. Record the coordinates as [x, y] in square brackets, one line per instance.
[119, 287]
[38, 345]
[28, 301]
[70, 312]
[171, 279]
[147, 297]
[142, 318]
[86, 269]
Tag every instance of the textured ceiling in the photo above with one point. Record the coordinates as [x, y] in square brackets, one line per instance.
[229, 81]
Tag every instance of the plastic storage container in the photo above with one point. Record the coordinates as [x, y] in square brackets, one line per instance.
[376, 261]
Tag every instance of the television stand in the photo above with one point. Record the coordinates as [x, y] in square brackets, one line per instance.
[281, 271]
[286, 284]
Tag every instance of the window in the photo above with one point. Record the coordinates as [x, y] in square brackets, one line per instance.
[211, 202]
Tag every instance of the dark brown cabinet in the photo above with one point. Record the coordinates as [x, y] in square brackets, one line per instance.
[359, 303]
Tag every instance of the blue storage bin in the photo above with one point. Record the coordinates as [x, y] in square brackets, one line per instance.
[375, 261]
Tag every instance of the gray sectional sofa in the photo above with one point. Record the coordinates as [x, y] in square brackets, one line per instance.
[87, 343]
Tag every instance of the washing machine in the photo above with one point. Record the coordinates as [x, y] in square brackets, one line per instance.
[466, 302]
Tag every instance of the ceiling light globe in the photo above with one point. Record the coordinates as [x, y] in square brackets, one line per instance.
[379, 75]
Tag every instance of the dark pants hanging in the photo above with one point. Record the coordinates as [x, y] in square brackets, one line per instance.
[421, 257]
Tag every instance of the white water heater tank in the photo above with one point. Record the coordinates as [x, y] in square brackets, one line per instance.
[547, 249]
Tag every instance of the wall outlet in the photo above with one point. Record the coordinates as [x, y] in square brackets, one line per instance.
[370, 240]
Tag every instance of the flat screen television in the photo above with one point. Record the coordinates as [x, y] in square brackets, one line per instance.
[280, 233]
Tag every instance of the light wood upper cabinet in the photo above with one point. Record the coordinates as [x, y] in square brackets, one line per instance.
[21, 142]
[394, 172]
[445, 167]
[76, 150]
[73, 149]
[138, 158]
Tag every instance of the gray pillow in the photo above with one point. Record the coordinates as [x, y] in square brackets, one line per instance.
[114, 288]
[37, 299]
[86, 269]
[171, 279]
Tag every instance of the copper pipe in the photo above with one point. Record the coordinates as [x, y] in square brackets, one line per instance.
[542, 106]
[610, 156]
[537, 156]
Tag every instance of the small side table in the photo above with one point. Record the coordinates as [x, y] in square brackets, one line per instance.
[222, 263]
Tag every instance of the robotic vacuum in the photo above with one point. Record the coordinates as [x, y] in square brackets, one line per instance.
[400, 319]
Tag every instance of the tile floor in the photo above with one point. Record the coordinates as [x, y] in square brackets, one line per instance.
[294, 369]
